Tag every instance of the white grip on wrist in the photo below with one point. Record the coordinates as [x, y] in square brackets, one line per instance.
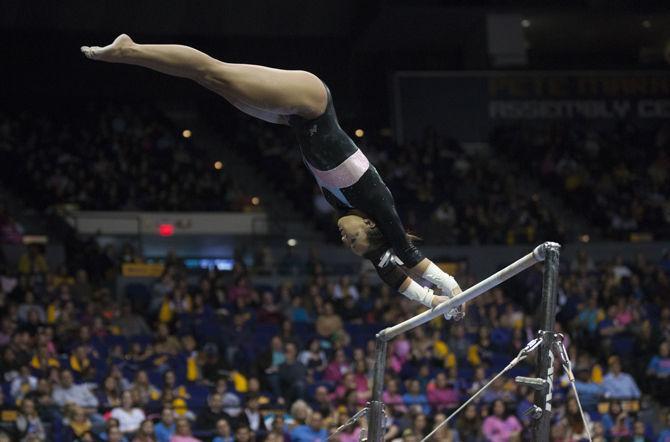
[444, 281]
[415, 292]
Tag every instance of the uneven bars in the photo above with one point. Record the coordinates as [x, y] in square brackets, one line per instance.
[537, 255]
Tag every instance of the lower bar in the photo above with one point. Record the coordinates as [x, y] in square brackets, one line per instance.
[375, 408]
[545, 366]
[515, 268]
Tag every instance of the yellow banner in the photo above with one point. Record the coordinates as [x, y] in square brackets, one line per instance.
[142, 270]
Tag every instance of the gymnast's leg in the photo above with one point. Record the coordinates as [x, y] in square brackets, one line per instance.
[266, 93]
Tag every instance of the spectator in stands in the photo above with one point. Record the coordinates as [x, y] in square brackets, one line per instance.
[112, 431]
[23, 384]
[313, 357]
[419, 425]
[501, 426]
[482, 351]
[143, 390]
[658, 371]
[442, 395]
[130, 323]
[223, 432]
[145, 432]
[392, 397]
[298, 413]
[33, 261]
[252, 418]
[338, 367]
[640, 433]
[328, 324]
[28, 425]
[165, 428]
[589, 392]
[69, 392]
[617, 384]
[298, 313]
[214, 365]
[10, 230]
[82, 364]
[77, 421]
[664, 432]
[214, 411]
[292, 375]
[183, 432]
[170, 384]
[231, 401]
[44, 402]
[321, 401]
[312, 431]
[129, 416]
[28, 305]
[409, 436]
[574, 426]
[269, 312]
[598, 434]
[164, 342]
[458, 343]
[616, 421]
[243, 434]
[445, 433]
[352, 433]
[279, 428]
[415, 396]
[269, 361]
[479, 380]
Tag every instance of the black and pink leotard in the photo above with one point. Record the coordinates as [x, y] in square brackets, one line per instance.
[349, 181]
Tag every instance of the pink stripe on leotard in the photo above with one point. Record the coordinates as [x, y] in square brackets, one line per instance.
[346, 174]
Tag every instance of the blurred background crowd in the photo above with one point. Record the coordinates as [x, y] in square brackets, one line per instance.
[212, 354]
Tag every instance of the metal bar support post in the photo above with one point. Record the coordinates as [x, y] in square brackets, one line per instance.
[545, 366]
[376, 428]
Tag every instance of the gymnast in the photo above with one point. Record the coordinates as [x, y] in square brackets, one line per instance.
[369, 225]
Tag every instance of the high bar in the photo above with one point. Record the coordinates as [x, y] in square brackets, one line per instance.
[537, 255]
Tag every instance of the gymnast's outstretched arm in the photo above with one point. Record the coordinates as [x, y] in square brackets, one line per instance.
[266, 93]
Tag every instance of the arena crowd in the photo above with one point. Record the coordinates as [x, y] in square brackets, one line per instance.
[214, 356]
[109, 157]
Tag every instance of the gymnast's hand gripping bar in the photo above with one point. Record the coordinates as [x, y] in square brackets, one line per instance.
[537, 255]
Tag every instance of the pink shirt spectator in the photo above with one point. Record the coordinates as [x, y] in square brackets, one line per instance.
[399, 355]
[624, 317]
[361, 382]
[401, 348]
[341, 391]
[176, 438]
[335, 371]
[237, 291]
[395, 401]
[498, 430]
[442, 398]
[351, 437]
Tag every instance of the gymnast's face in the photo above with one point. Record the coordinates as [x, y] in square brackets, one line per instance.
[354, 230]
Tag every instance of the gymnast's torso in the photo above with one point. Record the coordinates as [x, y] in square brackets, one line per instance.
[332, 157]
[347, 179]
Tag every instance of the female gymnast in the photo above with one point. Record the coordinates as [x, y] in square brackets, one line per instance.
[370, 225]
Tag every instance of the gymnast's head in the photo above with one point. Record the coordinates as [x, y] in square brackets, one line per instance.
[359, 233]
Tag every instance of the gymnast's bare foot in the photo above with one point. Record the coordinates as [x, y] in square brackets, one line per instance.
[111, 53]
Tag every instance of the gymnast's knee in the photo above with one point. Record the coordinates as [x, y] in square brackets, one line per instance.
[315, 96]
